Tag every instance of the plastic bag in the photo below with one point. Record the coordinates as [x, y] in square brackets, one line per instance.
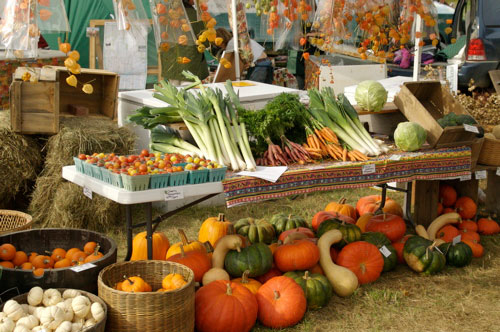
[131, 17]
[244, 47]
[18, 29]
[51, 17]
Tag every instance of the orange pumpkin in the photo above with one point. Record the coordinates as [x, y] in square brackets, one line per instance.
[20, 258]
[303, 230]
[470, 235]
[274, 246]
[65, 47]
[362, 258]
[399, 245]
[297, 255]
[252, 284]
[7, 264]
[78, 258]
[89, 247]
[447, 233]
[391, 225]
[447, 195]
[325, 215]
[363, 220]
[134, 285]
[187, 245]
[487, 226]
[213, 228]
[96, 255]
[197, 260]
[32, 256]
[342, 208]
[27, 266]
[316, 269]
[7, 252]
[140, 246]
[448, 210]
[477, 249]
[71, 252]
[466, 207]
[468, 225]
[173, 281]
[58, 254]
[38, 272]
[440, 209]
[372, 203]
[65, 262]
[42, 261]
[273, 272]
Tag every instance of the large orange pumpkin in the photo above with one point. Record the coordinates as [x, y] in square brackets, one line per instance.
[186, 244]
[362, 258]
[342, 208]
[213, 229]
[372, 203]
[224, 306]
[282, 302]
[197, 260]
[466, 207]
[140, 246]
[469, 225]
[298, 255]
[393, 226]
[273, 272]
[487, 226]
[363, 220]
[399, 245]
[477, 249]
[325, 215]
[447, 233]
[447, 195]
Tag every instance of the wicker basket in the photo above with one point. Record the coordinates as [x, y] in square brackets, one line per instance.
[14, 221]
[490, 152]
[99, 327]
[152, 311]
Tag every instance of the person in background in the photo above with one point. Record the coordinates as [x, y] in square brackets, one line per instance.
[261, 70]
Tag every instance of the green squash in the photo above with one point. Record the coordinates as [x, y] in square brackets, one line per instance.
[255, 230]
[380, 240]
[350, 232]
[458, 255]
[316, 287]
[421, 256]
[257, 258]
[283, 222]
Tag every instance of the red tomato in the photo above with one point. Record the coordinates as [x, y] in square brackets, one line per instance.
[82, 156]
[143, 168]
[144, 152]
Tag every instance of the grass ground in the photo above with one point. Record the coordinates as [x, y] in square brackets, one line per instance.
[455, 300]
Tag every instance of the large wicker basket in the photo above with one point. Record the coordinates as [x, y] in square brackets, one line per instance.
[490, 152]
[152, 311]
[14, 221]
[99, 327]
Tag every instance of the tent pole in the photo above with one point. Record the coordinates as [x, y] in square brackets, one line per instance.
[235, 40]
[418, 49]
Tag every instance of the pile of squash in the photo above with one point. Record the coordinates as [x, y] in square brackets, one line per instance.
[136, 284]
[50, 310]
[58, 258]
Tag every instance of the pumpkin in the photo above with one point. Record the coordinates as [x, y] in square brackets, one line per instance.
[316, 269]
[363, 259]
[448, 210]
[316, 287]
[468, 235]
[273, 272]
[255, 230]
[370, 204]
[273, 246]
[213, 228]
[197, 260]
[71, 252]
[32, 256]
[477, 249]
[42, 261]
[58, 254]
[343, 280]
[7, 252]
[325, 215]
[20, 258]
[35, 296]
[187, 245]
[78, 258]
[173, 281]
[6, 324]
[65, 47]
[486, 226]
[51, 297]
[217, 272]
[303, 230]
[440, 208]
[65, 326]
[283, 222]
[282, 303]
[252, 284]
[447, 195]
[7, 264]
[13, 310]
[398, 246]
[70, 293]
[447, 233]
[38, 272]
[389, 256]
[363, 220]
[62, 263]
[342, 208]
[458, 254]
[96, 255]
[131, 285]
[52, 317]
[468, 225]
[140, 246]
[440, 222]
[224, 306]
[421, 256]
[89, 247]
[391, 225]
[256, 258]
[350, 232]
[29, 321]
[466, 207]
[296, 255]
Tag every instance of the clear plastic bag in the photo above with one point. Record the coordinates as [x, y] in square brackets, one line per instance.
[244, 46]
[51, 16]
[18, 28]
[131, 16]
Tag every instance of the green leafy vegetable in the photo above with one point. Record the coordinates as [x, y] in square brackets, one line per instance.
[371, 96]
[409, 136]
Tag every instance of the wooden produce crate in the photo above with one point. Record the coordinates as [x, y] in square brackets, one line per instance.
[425, 103]
[36, 108]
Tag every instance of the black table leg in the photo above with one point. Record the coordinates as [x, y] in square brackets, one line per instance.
[128, 217]
[408, 196]
[149, 228]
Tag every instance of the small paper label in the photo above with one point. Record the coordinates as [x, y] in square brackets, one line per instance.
[386, 252]
[80, 268]
[87, 192]
[457, 239]
[466, 177]
[173, 194]
[498, 171]
[480, 175]
[472, 129]
[368, 169]
[395, 157]
[92, 31]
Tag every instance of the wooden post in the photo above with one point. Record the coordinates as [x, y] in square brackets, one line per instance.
[493, 192]
[426, 199]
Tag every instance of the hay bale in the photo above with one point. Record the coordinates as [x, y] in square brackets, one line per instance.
[58, 203]
[21, 160]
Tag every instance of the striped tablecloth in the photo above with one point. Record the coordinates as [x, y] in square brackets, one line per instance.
[422, 165]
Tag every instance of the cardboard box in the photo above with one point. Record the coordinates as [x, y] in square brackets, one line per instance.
[36, 108]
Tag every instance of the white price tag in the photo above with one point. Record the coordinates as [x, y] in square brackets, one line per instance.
[80, 268]
[472, 129]
[386, 252]
[368, 169]
[480, 175]
[87, 192]
[466, 177]
[173, 194]
[457, 239]
[395, 157]
[498, 171]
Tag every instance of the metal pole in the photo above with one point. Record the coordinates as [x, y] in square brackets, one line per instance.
[235, 40]
[418, 50]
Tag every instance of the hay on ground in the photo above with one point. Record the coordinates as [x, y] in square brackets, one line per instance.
[21, 159]
[58, 203]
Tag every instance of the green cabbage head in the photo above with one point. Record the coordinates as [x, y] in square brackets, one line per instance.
[409, 136]
[370, 96]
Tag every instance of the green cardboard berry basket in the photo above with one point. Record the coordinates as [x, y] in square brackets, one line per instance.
[159, 181]
[106, 175]
[217, 174]
[116, 179]
[198, 176]
[178, 178]
[78, 164]
[87, 168]
[136, 182]
[96, 172]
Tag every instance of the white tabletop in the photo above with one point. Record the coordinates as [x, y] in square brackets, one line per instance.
[42, 54]
[123, 196]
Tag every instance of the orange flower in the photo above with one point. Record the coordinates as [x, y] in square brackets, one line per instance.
[205, 16]
[302, 41]
[448, 30]
[306, 55]
[185, 27]
[211, 23]
[161, 9]
[163, 20]
[164, 47]
[164, 35]
[183, 60]
[182, 40]
[449, 21]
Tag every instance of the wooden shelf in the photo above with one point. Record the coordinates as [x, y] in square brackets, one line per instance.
[388, 108]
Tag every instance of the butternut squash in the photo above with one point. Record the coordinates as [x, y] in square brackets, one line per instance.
[440, 222]
[421, 231]
[217, 272]
[343, 280]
